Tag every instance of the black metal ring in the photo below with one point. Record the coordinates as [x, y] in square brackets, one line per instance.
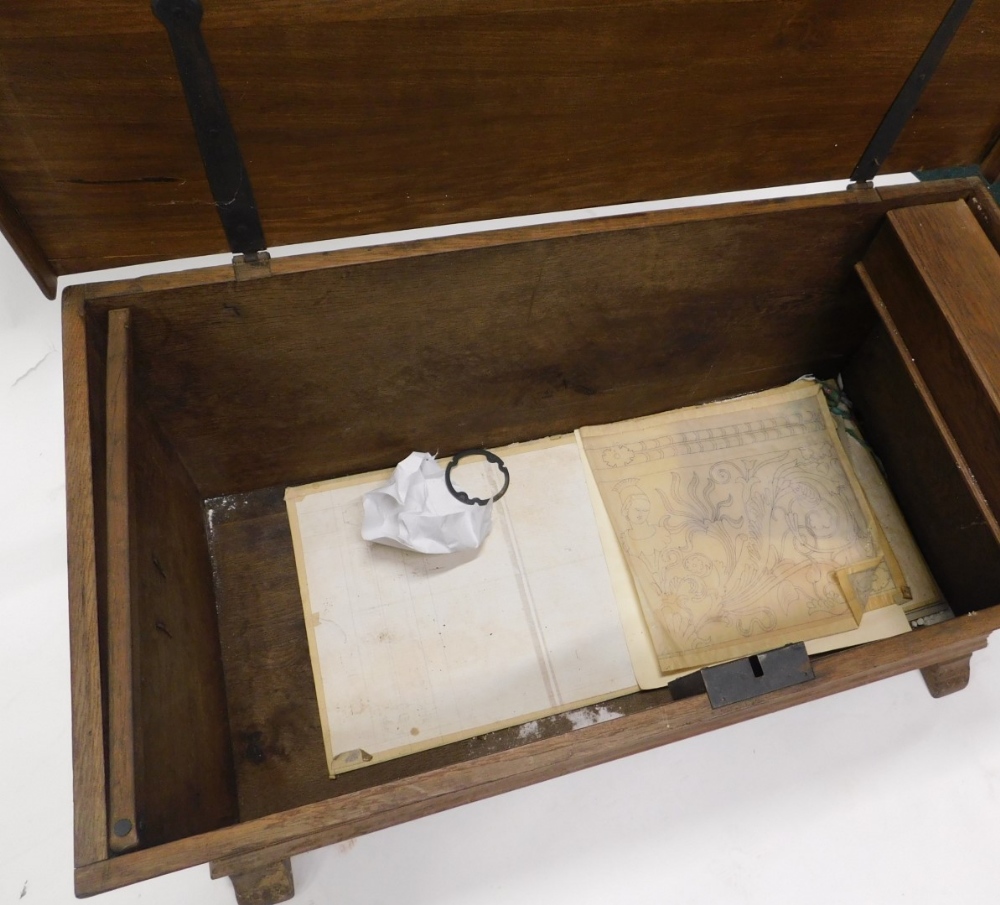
[463, 497]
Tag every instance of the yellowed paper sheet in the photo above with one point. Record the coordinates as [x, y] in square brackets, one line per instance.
[733, 519]
[874, 626]
[869, 585]
[411, 651]
[917, 578]
[884, 622]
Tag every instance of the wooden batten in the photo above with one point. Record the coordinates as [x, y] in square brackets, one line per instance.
[89, 784]
[123, 829]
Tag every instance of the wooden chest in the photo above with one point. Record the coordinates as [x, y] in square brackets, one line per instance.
[196, 731]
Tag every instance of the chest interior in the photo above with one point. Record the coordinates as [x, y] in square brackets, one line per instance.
[339, 365]
[194, 399]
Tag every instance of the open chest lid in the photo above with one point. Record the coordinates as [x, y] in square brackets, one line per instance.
[356, 117]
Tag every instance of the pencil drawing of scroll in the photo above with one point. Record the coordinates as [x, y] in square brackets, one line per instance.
[735, 519]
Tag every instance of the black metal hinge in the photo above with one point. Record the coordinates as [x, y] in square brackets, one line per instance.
[905, 104]
[220, 151]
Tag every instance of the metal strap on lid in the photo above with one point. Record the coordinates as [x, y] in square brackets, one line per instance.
[906, 101]
[220, 151]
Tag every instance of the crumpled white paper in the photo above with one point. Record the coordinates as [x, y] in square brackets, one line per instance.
[415, 511]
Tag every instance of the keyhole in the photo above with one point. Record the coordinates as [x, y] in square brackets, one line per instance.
[758, 670]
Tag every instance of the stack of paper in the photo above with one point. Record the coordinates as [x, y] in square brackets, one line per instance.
[619, 559]
[411, 651]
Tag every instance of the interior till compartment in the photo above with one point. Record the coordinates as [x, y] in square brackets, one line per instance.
[242, 388]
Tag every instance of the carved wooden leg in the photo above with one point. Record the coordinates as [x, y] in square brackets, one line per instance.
[267, 886]
[947, 678]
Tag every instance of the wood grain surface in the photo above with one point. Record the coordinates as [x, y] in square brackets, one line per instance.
[356, 118]
[309, 375]
[964, 187]
[350, 365]
[123, 679]
[184, 777]
[269, 885]
[944, 509]
[947, 678]
[943, 108]
[90, 840]
[986, 210]
[938, 275]
[22, 240]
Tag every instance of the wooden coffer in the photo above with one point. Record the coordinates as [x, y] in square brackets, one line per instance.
[196, 734]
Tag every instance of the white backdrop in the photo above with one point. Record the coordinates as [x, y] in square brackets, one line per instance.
[876, 795]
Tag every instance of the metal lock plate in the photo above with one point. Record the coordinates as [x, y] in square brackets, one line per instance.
[750, 677]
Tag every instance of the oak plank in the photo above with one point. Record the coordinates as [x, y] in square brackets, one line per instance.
[395, 115]
[488, 237]
[942, 504]
[184, 776]
[26, 247]
[940, 424]
[938, 275]
[901, 195]
[89, 804]
[933, 191]
[122, 677]
[308, 375]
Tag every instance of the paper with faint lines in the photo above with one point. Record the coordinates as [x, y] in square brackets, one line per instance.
[735, 519]
[411, 651]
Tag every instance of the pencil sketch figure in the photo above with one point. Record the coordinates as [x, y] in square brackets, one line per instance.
[734, 526]
[644, 541]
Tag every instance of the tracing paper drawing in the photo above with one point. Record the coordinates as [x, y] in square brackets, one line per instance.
[411, 651]
[734, 519]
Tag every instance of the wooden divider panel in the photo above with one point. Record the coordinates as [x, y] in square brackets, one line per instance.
[938, 276]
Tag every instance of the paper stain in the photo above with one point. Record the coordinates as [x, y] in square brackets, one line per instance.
[591, 716]
[24, 890]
